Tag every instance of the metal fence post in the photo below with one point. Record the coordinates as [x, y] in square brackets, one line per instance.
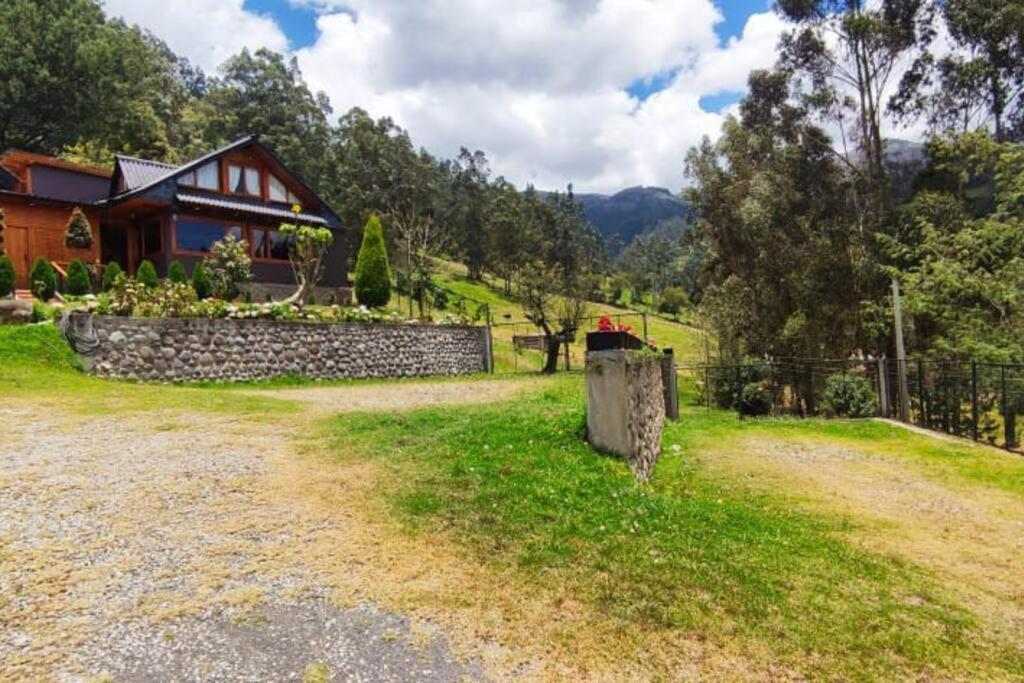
[707, 385]
[883, 389]
[1009, 417]
[739, 390]
[922, 394]
[974, 400]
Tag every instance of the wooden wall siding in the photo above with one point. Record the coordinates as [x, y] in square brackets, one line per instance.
[39, 231]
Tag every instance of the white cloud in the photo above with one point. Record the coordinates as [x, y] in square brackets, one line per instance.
[539, 85]
[205, 31]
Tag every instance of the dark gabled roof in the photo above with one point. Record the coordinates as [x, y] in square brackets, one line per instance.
[245, 206]
[139, 172]
[173, 171]
[8, 181]
[159, 178]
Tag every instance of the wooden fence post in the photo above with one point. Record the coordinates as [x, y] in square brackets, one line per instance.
[668, 379]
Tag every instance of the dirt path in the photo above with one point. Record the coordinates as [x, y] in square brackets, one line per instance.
[971, 535]
[164, 546]
[396, 396]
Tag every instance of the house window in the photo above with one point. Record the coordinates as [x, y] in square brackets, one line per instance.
[277, 192]
[199, 236]
[269, 244]
[208, 176]
[205, 177]
[244, 180]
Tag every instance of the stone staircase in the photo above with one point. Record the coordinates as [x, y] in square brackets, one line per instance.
[23, 295]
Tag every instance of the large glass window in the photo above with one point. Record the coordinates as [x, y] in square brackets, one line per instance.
[235, 179]
[199, 236]
[244, 180]
[276, 190]
[269, 244]
[206, 177]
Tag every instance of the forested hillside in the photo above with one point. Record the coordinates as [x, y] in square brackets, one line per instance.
[806, 234]
[788, 239]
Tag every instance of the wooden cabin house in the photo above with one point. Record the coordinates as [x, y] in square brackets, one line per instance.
[150, 210]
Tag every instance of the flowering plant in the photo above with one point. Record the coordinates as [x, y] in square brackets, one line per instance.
[605, 324]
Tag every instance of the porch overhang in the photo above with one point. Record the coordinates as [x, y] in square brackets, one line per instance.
[246, 207]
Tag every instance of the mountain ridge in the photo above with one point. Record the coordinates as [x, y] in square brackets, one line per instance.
[621, 216]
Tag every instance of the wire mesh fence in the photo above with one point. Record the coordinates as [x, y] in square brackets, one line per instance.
[521, 347]
[980, 401]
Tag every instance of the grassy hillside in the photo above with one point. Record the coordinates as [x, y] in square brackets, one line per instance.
[508, 318]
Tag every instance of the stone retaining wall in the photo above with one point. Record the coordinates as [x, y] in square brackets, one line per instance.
[173, 350]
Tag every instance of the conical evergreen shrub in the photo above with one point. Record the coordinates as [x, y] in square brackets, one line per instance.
[176, 272]
[146, 274]
[78, 283]
[43, 279]
[201, 281]
[373, 276]
[79, 232]
[110, 273]
[6, 277]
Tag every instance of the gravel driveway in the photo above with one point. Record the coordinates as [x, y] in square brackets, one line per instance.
[144, 546]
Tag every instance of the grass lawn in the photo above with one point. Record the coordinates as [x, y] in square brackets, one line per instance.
[702, 553]
[769, 549]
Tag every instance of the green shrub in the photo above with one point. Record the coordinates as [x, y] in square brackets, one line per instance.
[110, 273]
[440, 298]
[229, 267]
[6, 276]
[673, 300]
[755, 399]
[201, 281]
[78, 234]
[176, 273]
[41, 313]
[78, 283]
[146, 274]
[373, 276]
[43, 279]
[848, 395]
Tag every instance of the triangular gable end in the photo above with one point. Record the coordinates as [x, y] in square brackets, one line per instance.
[245, 151]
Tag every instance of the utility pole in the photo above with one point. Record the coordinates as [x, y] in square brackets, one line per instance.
[901, 355]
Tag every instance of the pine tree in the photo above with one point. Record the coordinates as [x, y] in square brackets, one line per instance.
[110, 273]
[43, 279]
[373, 276]
[79, 232]
[146, 274]
[78, 283]
[6, 277]
[176, 272]
[201, 281]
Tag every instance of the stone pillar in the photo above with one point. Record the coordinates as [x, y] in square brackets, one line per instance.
[626, 407]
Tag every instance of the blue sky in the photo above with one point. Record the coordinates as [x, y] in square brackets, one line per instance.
[554, 91]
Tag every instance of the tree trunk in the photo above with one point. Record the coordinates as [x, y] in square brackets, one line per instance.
[551, 351]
